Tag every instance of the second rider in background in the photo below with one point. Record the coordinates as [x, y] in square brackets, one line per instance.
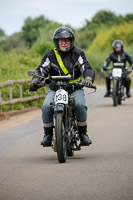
[118, 56]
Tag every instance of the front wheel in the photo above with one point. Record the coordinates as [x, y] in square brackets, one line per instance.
[115, 92]
[60, 138]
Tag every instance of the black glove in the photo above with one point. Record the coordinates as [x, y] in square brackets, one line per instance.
[104, 68]
[88, 81]
[33, 87]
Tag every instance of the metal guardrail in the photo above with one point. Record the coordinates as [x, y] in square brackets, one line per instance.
[20, 99]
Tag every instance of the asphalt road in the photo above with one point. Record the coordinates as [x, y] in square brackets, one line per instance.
[103, 171]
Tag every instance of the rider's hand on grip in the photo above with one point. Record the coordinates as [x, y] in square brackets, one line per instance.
[87, 82]
[104, 68]
[33, 87]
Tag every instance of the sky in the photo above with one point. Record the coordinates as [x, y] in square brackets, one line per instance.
[13, 13]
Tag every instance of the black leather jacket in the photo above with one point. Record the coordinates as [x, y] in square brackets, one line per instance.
[75, 59]
[121, 57]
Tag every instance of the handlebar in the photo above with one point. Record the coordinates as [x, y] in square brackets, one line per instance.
[107, 68]
[65, 80]
[82, 85]
[50, 82]
[127, 70]
[56, 80]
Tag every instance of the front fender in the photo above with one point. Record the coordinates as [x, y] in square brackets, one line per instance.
[116, 78]
[59, 107]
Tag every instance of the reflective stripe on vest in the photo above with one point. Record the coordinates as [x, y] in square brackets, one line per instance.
[66, 72]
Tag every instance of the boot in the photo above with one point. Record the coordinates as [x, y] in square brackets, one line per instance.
[128, 94]
[47, 140]
[107, 94]
[84, 139]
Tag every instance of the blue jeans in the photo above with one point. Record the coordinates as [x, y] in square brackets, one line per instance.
[80, 108]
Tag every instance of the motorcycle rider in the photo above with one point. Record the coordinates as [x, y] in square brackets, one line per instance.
[118, 56]
[60, 61]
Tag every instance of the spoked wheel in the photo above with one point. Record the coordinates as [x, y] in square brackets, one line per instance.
[60, 140]
[115, 92]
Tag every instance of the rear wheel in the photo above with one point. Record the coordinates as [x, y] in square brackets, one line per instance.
[60, 138]
[115, 92]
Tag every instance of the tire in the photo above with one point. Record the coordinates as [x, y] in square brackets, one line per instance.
[60, 141]
[115, 92]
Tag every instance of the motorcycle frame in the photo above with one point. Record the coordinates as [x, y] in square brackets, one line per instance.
[121, 85]
[70, 124]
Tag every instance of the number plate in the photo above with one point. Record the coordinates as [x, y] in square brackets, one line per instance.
[61, 96]
[117, 72]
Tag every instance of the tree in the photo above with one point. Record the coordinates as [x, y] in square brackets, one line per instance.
[129, 17]
[14, 41]
[2, 33]
[104, 17]
[31, 28]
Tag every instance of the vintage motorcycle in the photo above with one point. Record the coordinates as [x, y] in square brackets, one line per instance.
[65, 135]
[118, 92]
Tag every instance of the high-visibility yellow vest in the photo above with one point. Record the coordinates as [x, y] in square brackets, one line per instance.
[62, 66]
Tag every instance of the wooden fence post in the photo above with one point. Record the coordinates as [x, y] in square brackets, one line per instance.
[20, 99]
[20, 90]
[0, 106]
[0, 94]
